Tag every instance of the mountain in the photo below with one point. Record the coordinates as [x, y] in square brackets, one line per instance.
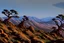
[41, 26]
[47, 19]
[11, 33]
[46, 23]
[36, 23]
[35, 19]
[17, 30]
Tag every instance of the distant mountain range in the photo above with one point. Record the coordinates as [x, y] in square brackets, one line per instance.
[45, 23]
[47, 20]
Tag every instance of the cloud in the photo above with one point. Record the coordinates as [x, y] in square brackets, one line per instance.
[59, 5]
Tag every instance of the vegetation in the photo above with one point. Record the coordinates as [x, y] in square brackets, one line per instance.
[10, 14]
[58, 21]
[11, 33]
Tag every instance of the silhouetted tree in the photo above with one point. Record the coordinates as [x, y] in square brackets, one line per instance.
[54, 29]
[26, 18]
[59, 22]
[10, 14]
[21, 24]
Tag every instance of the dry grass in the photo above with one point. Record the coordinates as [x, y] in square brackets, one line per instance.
[9, 33]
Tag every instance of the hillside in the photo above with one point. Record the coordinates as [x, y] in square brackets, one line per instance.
[22, 33]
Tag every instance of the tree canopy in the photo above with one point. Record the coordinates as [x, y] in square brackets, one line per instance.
[11, 13]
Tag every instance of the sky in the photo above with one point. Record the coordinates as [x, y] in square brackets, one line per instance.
[36, 8]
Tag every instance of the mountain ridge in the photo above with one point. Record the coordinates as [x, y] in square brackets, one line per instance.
[22, 33]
